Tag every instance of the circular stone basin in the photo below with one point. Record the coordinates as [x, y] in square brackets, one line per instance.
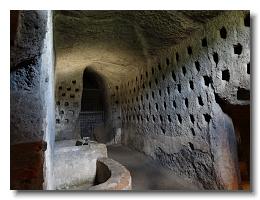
[111, 175]
[87, 167]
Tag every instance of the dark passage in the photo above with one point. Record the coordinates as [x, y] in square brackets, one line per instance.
[92, 105]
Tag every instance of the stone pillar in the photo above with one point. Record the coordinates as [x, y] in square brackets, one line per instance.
[32, 101]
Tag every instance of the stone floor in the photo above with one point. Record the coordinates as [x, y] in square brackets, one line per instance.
[146, 173]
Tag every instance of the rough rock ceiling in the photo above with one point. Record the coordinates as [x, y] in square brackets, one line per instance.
[116, 42]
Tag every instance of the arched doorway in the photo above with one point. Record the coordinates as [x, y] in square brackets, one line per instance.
[92, 113]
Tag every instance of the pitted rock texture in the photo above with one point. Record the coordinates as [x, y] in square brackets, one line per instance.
[26, 77]
[31, 89]
[191, 163]
[29, 37]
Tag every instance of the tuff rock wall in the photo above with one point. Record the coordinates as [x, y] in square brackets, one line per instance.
[32, 125]
[170, 109]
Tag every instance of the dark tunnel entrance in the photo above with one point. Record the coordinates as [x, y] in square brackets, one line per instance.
[92, 104]
[240, 115]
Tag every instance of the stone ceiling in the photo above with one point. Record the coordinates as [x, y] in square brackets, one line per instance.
[115, 43]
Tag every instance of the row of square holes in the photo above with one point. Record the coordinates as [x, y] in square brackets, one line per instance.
[58, 121]
[206, 116]
[139, 118]
[73, 82]
[186, 103]
[128, 117]
[66, 103]
[197, 65]
[64, 94]
[223, 34]
[237, 50]
[69, 89]
[71, 95]
[207, 80]
[200, 102]
[62, 113]
[179, 89]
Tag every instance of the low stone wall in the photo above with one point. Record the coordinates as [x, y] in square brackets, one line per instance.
[111, 175]
[76, 165]
[88, 165]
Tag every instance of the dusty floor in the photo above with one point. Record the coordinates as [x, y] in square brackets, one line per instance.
[146, 173]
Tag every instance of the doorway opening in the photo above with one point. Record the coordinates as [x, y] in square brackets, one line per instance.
[92, 112]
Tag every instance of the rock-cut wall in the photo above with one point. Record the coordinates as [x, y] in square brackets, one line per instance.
[32, 125]
[170, 109]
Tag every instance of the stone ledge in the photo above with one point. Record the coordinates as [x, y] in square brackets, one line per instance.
[116, 175]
